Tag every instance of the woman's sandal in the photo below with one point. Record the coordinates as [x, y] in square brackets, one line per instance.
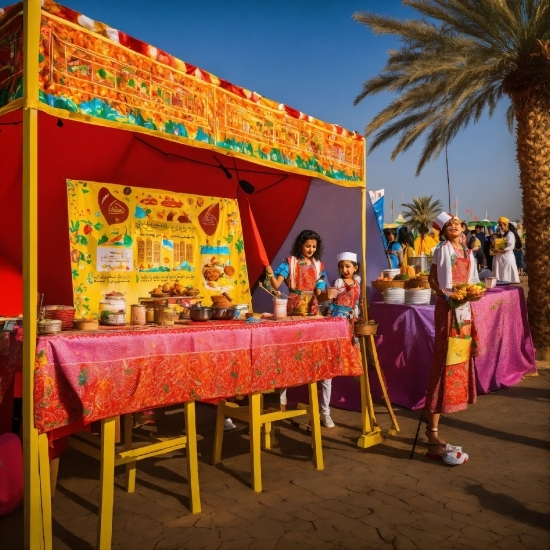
[447, 447]
[451, 458]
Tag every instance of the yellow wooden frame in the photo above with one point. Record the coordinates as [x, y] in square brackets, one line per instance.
[103, 449]
[37, 521]
[255, 417]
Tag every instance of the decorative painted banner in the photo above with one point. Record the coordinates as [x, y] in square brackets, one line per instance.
[11, 60]
[90, 69]
[134, 239]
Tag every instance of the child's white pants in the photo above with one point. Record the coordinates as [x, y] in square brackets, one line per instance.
[324, 401]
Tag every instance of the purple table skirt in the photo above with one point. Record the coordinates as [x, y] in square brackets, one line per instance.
[405, 344]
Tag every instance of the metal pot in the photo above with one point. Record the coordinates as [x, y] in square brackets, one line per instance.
[198, 313]
[420, 263]
[225, 313]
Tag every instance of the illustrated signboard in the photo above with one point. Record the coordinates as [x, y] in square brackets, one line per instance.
[135, 239]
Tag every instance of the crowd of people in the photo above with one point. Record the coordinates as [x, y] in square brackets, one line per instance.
[497, 252]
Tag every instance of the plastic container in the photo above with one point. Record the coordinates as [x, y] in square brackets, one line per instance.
[490, 282]
[241, 310]
[280, 308]
[137, 314]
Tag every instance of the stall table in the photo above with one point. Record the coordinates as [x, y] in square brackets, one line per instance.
[405, 343]
[83, 377]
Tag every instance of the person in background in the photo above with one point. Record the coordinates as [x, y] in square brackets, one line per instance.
[487, 248]
[394, 250]
[406, 240]
[427, 244]
[518, 251]
[481, 255]
[504, 261]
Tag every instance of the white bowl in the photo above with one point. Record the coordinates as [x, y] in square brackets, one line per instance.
[391, 273]
[394, 296]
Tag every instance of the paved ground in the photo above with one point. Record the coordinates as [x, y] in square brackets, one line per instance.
[364, 499]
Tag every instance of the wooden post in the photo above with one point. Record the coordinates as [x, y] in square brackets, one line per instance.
[33, 525]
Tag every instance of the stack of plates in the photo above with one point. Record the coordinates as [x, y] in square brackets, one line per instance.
[394, 295]
[418, 296]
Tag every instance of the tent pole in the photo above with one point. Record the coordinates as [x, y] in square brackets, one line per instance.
[33, 523]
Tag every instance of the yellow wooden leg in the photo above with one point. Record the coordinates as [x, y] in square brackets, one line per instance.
[45, 490]
[371, 432]
[255, 429]
[218, 435]
[315, 426]
[267, 432]
[267, 428]
[33, 512]
[107, 484]
[192, 460]
[131, 470]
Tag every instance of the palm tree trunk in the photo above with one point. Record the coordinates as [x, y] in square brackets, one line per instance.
[532, 111]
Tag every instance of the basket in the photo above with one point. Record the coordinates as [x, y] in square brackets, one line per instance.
[417, 283]
[85, 324]
[49, 326]
[193, 292]
[384, 285]
[65, 314]
[365, 330]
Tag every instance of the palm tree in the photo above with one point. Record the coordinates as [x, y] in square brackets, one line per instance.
[451, 68]
[420, 214]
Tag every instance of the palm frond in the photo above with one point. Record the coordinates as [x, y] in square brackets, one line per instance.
[454, 67]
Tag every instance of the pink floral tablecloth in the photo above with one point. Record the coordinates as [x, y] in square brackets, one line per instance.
[83, 377]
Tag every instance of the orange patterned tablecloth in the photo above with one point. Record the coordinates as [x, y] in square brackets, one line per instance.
[83, 377]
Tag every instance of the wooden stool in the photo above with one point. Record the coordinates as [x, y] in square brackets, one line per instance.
[253, 414]
[109, 458]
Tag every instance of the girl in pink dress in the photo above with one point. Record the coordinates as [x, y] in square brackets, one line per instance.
[304, 274]
[451, 385]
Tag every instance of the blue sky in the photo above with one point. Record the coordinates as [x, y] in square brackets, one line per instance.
[311, 55]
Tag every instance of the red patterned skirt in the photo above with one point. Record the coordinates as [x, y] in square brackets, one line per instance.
[451, 388]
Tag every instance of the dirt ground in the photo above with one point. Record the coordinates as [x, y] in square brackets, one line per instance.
[365, 499]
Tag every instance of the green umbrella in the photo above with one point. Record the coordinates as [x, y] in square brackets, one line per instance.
[484, 223]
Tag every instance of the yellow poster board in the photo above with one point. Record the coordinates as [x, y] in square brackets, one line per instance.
[134, 239]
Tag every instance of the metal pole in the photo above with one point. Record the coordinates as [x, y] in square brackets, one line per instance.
[448, 180]
[417, 431]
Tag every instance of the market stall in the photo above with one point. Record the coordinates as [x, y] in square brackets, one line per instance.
[87, 110]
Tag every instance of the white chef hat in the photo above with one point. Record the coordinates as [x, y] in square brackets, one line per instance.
[441, 220]
[351, 256]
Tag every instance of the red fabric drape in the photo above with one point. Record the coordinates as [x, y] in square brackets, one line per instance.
[87, 152]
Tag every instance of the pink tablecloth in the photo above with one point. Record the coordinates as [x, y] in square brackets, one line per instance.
[405, 343]
[83, 377]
